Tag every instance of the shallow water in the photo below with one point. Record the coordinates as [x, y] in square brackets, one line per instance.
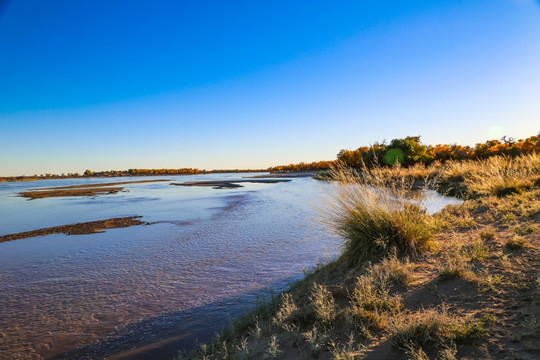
[208, 255]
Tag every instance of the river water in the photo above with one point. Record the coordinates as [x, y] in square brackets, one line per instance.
[151, 289]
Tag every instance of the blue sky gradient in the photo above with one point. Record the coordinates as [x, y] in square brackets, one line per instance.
[250, 84]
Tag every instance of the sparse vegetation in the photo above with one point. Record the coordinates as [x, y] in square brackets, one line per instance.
[434, 327]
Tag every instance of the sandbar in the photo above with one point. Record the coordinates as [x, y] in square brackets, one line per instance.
[79, 190]
[227, 184]
[97, 185]
[282, 175]
[84, 228]
[31, 195]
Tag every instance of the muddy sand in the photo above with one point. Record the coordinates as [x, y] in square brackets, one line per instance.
[227, 184]
[79, 228]
[282, 175]
[80, 190]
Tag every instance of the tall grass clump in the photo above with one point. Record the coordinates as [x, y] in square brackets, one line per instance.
[498, 175]
[429, 327]
[374, 217]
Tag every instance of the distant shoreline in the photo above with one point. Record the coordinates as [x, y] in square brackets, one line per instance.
[286, 174]
[117, 174]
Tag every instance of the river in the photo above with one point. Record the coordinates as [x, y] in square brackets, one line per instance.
[205, 256]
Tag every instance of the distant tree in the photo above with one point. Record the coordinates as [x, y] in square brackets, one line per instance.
[413, 150]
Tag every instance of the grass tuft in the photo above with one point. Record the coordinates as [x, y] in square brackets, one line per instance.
[516, 243]
[455, 267]
[347, 351]
[316, 340]
[415, 352]
[434, 327]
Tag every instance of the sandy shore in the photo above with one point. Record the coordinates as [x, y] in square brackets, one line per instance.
[78, 229]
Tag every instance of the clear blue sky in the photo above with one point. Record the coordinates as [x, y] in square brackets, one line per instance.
[235, 84]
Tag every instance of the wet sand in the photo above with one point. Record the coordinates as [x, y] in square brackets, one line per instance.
[79, 190]
[79, 228]
[227, 184]
[282, 175]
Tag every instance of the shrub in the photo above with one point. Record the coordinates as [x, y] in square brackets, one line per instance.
[285, 315]
[323, 304]
[273, 350]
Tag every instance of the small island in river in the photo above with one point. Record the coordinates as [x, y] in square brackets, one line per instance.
[227, 184]
[84, 228]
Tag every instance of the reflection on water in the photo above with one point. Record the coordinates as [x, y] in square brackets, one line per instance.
[207, 254]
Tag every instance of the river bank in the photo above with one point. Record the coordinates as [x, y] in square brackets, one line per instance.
[469, 288]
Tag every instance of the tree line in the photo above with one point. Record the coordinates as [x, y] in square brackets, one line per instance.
[156, 172]
[410, 150]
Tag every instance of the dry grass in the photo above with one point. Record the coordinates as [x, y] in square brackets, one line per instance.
[323, 304]
[489, 282]
[317, 340]
[415, 352]
[273, 350]
[371, 301]
[454, 267]
[455, 262]
[346, 351]
[286, 314]
[393, 270]
[499, 176]
[434, 327]
[477, 250]
[516, 243]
